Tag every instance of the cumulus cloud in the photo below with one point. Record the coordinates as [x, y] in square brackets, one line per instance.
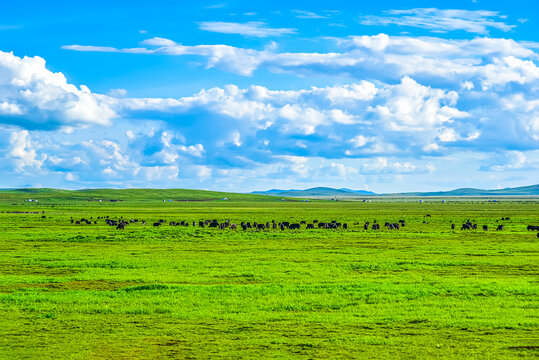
[252, 28]
[32, 96]
[442, 20]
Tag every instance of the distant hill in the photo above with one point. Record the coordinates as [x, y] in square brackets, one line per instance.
[316, 191]
[516, 191]
[326, 191]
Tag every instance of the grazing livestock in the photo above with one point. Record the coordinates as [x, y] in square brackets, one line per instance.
[156, 224]
[499, 228]
[485, 227]
[533, 227]
[294, 226]
[345, 226]
[310, 226]
[452, 226]
[233, 226]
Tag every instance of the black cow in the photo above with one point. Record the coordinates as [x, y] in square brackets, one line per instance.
[499, 228]
[533, 227]
[156, 224]
[345, 226]
[485, 227]
[294, 226]
[453, 226]
[310, 226]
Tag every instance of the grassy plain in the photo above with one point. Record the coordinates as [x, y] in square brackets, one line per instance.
[425, 291]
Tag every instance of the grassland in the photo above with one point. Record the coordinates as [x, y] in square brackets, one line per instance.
[425, 291]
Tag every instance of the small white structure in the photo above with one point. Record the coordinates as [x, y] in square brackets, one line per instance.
[224, 199]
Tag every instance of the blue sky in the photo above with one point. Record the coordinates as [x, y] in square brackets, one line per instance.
[240, 96]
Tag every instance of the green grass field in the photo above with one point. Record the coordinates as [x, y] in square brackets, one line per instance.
[424, 291]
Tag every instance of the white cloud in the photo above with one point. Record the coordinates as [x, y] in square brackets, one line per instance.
[251, 28]
[32, 95]
[117, 92]
[412, 106]
[22, 152]
[304, 14]
[480, 60]
[506, 161]
[442, 20]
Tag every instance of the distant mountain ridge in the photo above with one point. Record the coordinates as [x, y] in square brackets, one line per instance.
[316, 191]
[327, 191]
[516, 191]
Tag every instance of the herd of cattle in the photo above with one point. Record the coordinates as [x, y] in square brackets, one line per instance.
[121, 223]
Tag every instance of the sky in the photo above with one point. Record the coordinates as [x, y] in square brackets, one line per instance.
[240, 96]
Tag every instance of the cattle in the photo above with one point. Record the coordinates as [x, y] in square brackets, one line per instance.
[244, 226]
[310, 226]
[485, 227]
[453, 226]
[156, 224]
[72, 221]
[294, 226]
[260, 227]
[375, 226]
[315, 221]
[499, 228]
[286, 223]
[233, 226]
[533, 227]
[366, 226]
[345, 226]
[281, 226]
[303, 222]
[120, 226]
[428, 215]
[274, 225]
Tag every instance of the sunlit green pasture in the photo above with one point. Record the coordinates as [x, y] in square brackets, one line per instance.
[424, 291]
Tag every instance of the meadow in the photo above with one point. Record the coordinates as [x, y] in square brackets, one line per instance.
[424, 291]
